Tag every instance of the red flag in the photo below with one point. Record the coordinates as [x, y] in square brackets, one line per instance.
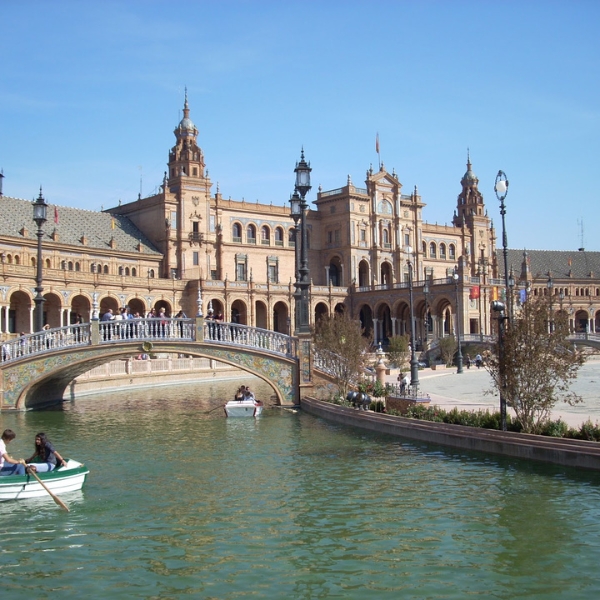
[377, 143]
[474, 293]
[56, 214]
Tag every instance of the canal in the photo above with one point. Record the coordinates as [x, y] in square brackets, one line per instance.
[181, 502]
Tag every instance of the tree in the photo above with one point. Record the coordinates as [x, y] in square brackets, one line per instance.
[341, 348]
[398, 350]
[538, 363]
[447, 347]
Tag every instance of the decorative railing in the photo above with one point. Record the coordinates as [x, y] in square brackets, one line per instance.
[146, 330]
[251, 337]
[45, 341]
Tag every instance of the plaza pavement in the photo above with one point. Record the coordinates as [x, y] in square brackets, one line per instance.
[447, 389]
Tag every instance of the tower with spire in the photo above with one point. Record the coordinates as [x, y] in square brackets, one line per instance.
[471, 215]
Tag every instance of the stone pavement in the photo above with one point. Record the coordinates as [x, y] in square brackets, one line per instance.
[467, 391]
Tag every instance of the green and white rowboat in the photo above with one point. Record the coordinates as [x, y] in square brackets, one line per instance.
[60, 481]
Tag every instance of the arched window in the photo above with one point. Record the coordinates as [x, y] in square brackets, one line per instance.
[33, 261]
[251, 234]
[265, 235]
[452, 251]
[17, 259]
[424, 249]
[385, 234]
[77, 266]
[236, 233]
[9, 259]
[443, 251]
[106, 269]
[279, 236]
[151, 273]
[70, 265]
[121, 271]
[126, 271]
[93, 267]
[291, 238]
[48, 263]
[134, 272]
[432, 250]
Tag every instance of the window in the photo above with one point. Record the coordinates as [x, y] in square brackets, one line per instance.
[407, 239]
[211, 223]
[291, 238]
[265, 236]
[106, 269]
[151, 273]
[443, 251]
[452, 251]
[241, 267]
[236, 233]
[127, 272]
[134, 272]
[77, 266]
[273, 270]
[173, 219]
[432, 250]
[195, 258]
[386, 239]
[251, 234]
[279, 236]
[93, 267]
[121, 271]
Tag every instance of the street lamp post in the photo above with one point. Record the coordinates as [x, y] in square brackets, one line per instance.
[39, 216]
[501, 189]
[302, 171]
[296, 211]
[500, 308]
[414, 363]
[459, 357]
[550, 285]
[426, 292]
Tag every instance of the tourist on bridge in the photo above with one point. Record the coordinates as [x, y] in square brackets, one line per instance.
[9, 465]
[45, 458]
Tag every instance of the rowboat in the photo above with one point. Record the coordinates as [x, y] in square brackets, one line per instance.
[60, 481]
[244, 408]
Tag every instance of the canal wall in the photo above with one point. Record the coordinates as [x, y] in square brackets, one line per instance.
[571, 453]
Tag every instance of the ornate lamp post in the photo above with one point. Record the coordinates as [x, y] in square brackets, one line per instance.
[426, 292]
[39, 216]
[414, 363]
[459, 357]
[550, 285]
[500, 308]
[296, 212]
[302, 171]
[501, 189]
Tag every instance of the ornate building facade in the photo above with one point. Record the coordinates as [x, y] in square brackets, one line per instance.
[188, 241]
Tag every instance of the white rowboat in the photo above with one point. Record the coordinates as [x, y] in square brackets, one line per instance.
[60, 481]
[244, 408]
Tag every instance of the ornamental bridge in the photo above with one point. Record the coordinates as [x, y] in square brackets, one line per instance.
[36, 369]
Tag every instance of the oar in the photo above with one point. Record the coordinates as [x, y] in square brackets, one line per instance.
[213, 409]
[54, 496]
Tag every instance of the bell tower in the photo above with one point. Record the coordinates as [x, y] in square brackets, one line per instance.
[185, 158]
[472, 217]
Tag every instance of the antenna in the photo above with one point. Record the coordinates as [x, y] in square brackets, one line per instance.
[141, 176]
[581, 236]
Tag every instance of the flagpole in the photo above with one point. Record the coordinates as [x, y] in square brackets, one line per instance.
[377, 150]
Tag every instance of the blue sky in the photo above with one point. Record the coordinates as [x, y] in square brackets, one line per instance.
[91, 93]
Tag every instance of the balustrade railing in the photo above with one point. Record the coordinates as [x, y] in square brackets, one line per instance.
[48, 340]
[157, 330]
[244, 335]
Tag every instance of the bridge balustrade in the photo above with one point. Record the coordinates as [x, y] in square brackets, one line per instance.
[243, 335]
[48, 340]
[147, 329]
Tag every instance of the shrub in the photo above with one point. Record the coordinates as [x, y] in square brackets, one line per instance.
[590, 431]
[556, 428]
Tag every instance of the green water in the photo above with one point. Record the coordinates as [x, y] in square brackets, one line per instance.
[180, 503]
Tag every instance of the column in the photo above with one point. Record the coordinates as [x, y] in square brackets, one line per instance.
[375, 330]
[394, 332]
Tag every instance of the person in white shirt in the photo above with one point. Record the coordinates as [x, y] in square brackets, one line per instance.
[9, 465]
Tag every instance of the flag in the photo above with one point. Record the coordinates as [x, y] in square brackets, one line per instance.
[523, 296]
[112, 223]
[474, 293]
[56, 215]
[494, 293]
[377, 143]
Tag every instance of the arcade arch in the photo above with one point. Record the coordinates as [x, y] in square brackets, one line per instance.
[281, 322]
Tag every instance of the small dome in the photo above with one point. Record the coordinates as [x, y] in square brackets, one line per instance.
[187, 124]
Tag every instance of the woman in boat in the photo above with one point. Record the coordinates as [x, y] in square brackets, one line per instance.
[45, 457]
[9, 465]
[239, 395]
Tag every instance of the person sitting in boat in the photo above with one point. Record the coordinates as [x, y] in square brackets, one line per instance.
[239, 395]
[9, 465]
[45, 458]
[248, 395]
